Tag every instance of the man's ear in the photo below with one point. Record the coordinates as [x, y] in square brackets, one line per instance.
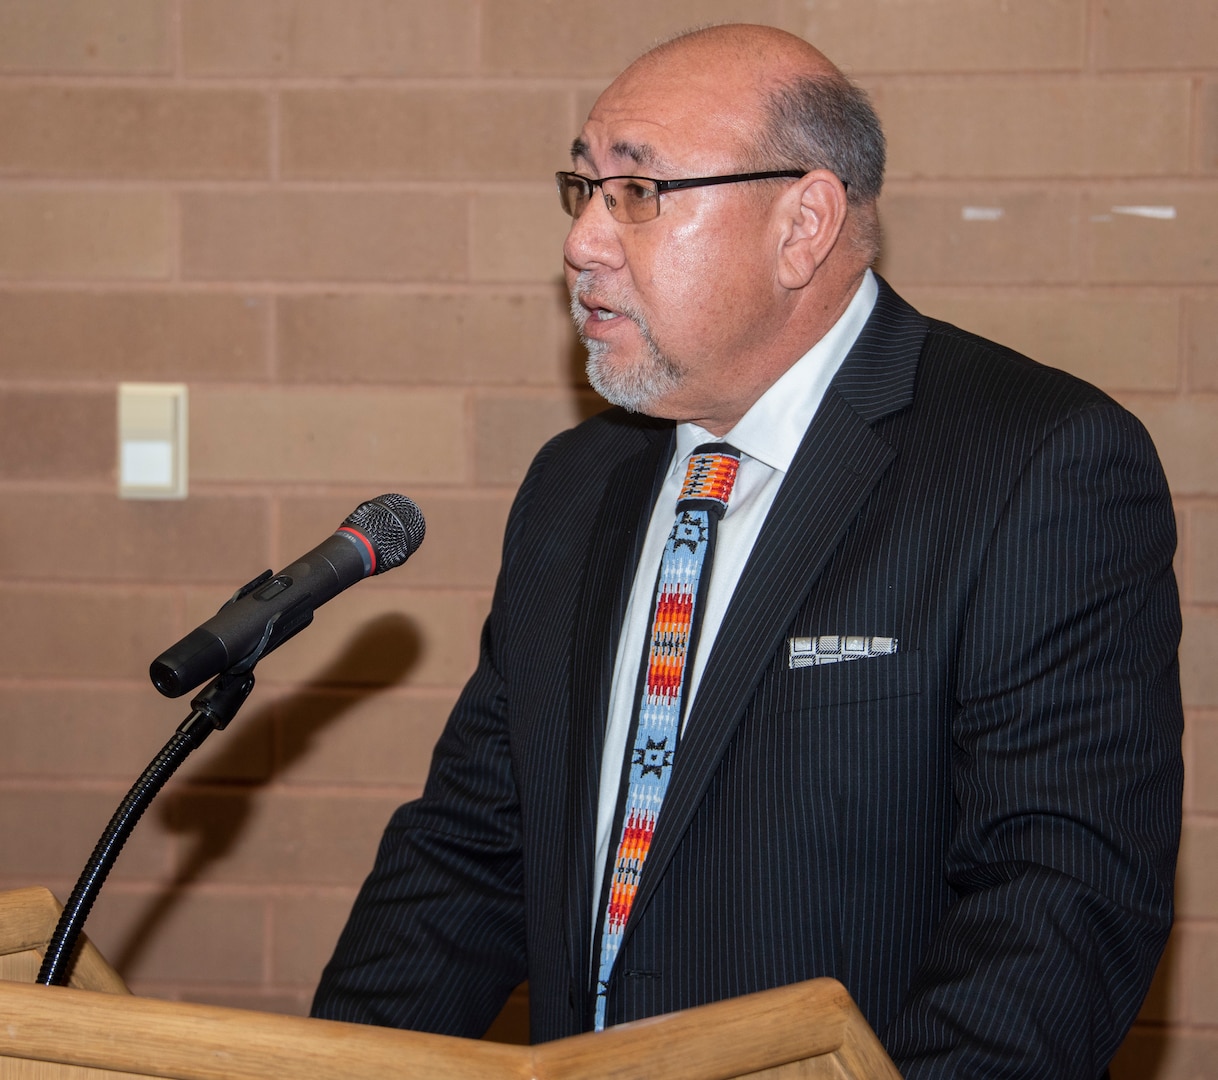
[812, 216]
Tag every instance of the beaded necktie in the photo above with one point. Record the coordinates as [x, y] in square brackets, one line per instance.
[675, 611]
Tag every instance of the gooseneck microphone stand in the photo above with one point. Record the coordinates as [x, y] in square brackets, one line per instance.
[211, 710]
[377, 536]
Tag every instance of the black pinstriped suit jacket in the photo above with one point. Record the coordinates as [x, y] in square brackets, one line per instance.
[976, 835]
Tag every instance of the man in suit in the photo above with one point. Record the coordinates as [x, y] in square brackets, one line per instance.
[929, 736]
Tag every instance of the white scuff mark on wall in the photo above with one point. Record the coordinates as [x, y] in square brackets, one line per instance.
[1155, 213]
[982, 213]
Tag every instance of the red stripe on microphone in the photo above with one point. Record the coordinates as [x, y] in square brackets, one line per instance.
[363, 540]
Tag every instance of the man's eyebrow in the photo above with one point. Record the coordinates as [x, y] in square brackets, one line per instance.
[639, 153]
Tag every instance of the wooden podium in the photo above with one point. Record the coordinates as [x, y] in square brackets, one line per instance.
[96, 1030]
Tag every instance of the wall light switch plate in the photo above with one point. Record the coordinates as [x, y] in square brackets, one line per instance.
[152, 441]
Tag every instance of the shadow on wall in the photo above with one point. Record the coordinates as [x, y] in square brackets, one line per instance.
[1145, 1052]
[390, 645]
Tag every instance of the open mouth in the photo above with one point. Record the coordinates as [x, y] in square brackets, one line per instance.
[589, 310]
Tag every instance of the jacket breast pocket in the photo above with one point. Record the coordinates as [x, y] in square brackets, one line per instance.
[856, 740]
[874, 679]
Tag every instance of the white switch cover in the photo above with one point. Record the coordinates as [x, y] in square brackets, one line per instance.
[152, 441]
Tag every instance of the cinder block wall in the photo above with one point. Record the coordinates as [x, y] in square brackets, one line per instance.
[335, 223]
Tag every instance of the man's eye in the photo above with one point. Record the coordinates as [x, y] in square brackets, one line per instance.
[637, 192]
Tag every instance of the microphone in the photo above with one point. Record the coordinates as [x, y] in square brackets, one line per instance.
[377, 536]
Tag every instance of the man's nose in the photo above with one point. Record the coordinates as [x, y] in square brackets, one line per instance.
[593, 238]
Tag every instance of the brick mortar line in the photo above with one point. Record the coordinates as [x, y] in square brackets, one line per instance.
[269, 891]
[84, 785]
[297, 490]
[275, 150]
[260, 285]
[260, 80]
[878, 85]
[274, 133]
[510, 390]
[489, 499]
[266, 81]
[1178, 1028]
[1077, 76]
[288, 890]
[982, 287]
[179, 185]
[1074, 279]
[57, 489]
[275, 786]
[1201, 397]
[260, 996]
[177, 41]
[1197, 129]
[270, 288]
[337, 790]
[1069, 184]
[1160, 396]
[150, 590]
[290, 686]
[1093, 21]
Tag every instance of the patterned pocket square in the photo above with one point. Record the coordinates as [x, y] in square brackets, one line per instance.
[833, 648]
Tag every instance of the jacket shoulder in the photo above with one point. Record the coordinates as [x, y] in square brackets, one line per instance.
[993, 371]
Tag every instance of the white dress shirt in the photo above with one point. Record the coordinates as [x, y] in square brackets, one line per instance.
[767, 437]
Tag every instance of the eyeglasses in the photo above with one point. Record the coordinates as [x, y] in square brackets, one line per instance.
[636, 199]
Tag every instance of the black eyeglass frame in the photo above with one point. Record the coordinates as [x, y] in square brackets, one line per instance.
[563, 179]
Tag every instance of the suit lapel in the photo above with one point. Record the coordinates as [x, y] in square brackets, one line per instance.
[839, 462]
[613, 555]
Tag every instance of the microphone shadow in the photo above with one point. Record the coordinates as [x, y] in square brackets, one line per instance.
[377, 658]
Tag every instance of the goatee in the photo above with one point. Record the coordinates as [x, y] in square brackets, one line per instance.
[637, 386]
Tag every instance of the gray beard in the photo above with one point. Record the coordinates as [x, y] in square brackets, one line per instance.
[636, 387]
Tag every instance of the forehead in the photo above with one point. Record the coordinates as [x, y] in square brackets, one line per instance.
[668, 122]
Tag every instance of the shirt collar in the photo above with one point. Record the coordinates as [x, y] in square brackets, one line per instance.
[774, 426]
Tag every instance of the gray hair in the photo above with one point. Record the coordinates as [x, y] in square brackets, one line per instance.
[825, 122]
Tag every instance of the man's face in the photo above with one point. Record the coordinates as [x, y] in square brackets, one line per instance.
[677, 311]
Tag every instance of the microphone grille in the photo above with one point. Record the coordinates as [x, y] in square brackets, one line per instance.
[394, 527]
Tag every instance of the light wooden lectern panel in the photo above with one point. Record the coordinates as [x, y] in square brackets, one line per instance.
[810, 1031]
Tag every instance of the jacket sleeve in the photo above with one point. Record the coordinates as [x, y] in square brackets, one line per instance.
[1067, 772]
[436, 938]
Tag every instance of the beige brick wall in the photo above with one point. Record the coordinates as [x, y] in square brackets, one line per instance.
[334, 222]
